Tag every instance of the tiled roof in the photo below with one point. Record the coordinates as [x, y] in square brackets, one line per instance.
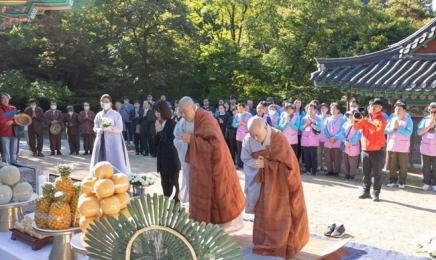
[390, 70]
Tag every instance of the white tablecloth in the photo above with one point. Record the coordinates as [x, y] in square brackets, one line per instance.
[20, 250]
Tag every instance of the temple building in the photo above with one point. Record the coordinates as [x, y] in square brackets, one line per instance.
[405, 70]
[13, 12]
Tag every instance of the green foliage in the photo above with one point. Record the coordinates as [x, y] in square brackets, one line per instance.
[200, 48]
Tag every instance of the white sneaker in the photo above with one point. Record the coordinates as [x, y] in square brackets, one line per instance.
[434, 188]
[426, 187]
[401, 186]
[391, 185]
[372, 180]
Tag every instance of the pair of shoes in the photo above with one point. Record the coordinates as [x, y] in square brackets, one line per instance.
[52, 153]
[334, 231]
[59, 153]
[35, 154]
[365, 195]
[40, 154]
[426, 187]
[351, 178]
[391, 185]
[401, 186]
[347, 177]
[329, 174]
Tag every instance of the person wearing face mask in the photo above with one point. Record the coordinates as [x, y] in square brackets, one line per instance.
[109, 144]
[54, 116]
[272, 112]
[35, 128]
[71, 121]
[426, 129]
[86, 119]
[126, 106]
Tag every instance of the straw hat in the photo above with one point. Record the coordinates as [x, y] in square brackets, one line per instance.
[55, 128]
[23, 119]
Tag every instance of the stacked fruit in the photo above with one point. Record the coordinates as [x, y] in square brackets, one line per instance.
[103, 195]
[11, 187]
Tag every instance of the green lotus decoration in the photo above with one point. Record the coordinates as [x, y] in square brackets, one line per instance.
[158, 229]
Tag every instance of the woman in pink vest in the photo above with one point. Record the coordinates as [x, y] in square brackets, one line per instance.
[240, 122]
[399, 130]
[310, 128]
[332, 146]
[324, 108]
[427, 129]
[350, 138]
[289, 124]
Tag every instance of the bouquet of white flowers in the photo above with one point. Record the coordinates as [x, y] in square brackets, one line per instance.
[106, 122]
[427, 243]
[141, 180]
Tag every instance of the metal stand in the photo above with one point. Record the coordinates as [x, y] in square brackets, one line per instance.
[13, 212]
[61, 248]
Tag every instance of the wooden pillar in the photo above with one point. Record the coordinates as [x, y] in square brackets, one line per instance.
[349, 96]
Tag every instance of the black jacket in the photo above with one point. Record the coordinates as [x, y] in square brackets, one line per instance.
[134, 119]
[223, 126]
[231, 131]
[147, 122]
[167, 158]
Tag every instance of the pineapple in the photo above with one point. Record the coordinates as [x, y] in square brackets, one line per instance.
[64, 182]
[75, 215]
[43, 205]
[60, 213]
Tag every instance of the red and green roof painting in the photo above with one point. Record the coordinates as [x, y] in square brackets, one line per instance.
[13, 12]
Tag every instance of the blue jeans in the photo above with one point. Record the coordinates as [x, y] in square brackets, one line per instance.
[9, 149]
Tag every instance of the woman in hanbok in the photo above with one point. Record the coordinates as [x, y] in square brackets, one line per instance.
[109, 144]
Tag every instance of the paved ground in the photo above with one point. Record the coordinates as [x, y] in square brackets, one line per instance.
[393, 223]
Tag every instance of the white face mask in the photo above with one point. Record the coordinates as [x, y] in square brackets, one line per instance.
[86, 107]
[271, 112]
[70, 113]
[53, 107]
[126, 101]
[33, 107]
[105, 105]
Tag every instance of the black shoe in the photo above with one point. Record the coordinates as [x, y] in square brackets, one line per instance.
[70, 153]
[339, 231]
[314, 174]
[336, 174]
[329, 174]
[52, 153]
[40, 155]
[153, 155]
[77, 153]
[145, 154]
[35, 154]
[365, 195]
[59, 153]
[137, 153]
[351, 179]
[328, 232]
[376, 197]
[347, 177]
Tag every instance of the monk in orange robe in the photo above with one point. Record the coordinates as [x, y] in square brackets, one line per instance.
[274, 192]
[215, 194]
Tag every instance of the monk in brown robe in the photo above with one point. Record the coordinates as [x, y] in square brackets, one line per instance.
[71, 121]
[35, 128]
[54, 116]
[86, 119]
[215, 194]
[274, 192]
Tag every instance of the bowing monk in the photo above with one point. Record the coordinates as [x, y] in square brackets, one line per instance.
[274, 192]
[215, 194]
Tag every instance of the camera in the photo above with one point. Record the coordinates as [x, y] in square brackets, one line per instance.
[357, 115]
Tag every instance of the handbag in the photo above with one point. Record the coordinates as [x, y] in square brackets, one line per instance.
[138, 129]
[342, 143]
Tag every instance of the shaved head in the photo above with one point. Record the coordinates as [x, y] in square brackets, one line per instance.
[187, 108]
[258, 128]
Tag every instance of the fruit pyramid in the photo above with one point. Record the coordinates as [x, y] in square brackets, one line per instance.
[75, 215]
[60, 212]
[64, 182]
[43, 205]
[103, 195]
